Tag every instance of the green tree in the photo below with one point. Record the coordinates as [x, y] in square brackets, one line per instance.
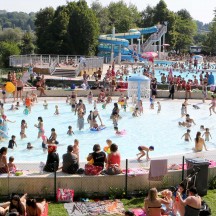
[102, 14]
[43, 30]
[6, 50]
[123, 17]
[210, 43]
[83, 29]
[186, 29]
[59, 28]
[11, 35]
[27, 46]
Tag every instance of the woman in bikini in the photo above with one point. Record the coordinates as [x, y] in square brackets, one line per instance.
[153, 203]
[40, 127]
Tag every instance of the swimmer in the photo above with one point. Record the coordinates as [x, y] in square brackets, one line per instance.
[199, 143]
[135, 112]
[202, 127]
[45, 105]
[187, 136]
[26, 111]
[70, 131]
[159, 107]
[23, 127]
[207, 134]
[29, 146]
[12, 142]
[144, 151]
[183, 110]
[196, 107]
[56, 110]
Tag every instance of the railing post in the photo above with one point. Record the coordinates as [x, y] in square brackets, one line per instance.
[183, 160]
[126, 179]
[55, 189]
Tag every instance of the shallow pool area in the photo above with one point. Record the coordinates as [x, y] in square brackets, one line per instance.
[160, 130]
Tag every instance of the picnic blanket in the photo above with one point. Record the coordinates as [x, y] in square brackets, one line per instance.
[106, 207]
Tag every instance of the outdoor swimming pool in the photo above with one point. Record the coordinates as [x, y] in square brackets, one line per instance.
[160, 130]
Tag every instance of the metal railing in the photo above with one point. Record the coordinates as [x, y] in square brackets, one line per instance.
[78, 63]
[154, 37]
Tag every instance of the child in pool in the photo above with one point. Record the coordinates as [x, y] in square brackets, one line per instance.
[202, 127]
[76, 148]
[12, 142]
[207, 134]
[11, 165]
[23, 127]
[183, 110]
[26, 111]
[135, 112]
[159, 107]
[56, 110]
[45, 105]
[70, 131]
[187, 136]
[152, 102]
[29, 145]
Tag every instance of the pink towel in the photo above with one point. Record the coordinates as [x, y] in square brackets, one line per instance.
[158, 169]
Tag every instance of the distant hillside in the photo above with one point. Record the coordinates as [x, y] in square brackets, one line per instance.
[17, 19]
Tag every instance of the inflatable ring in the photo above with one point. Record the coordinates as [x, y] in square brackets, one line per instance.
[91, 161]
[107, 149]
[10, 88]
[100, 128]
[121, 103]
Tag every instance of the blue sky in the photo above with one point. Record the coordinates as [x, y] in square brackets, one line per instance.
[199, 9]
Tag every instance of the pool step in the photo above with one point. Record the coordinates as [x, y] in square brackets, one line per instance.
[64, 73]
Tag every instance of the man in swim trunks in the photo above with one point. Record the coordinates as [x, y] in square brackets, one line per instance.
[144, 151]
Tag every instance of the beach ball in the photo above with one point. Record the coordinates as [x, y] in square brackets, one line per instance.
[10, 88]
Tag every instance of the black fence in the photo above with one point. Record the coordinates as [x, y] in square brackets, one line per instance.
[134, 179]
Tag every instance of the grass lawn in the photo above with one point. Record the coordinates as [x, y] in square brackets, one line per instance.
[58, 209]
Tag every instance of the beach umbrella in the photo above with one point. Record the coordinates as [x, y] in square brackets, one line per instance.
[149, 55]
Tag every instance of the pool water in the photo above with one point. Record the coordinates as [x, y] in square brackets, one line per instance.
[160, 130]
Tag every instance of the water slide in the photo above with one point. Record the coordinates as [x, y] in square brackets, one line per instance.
[121, 40]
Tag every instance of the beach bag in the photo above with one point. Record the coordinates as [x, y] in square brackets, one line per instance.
[113, 170]
[64, 195]
[92, 170]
